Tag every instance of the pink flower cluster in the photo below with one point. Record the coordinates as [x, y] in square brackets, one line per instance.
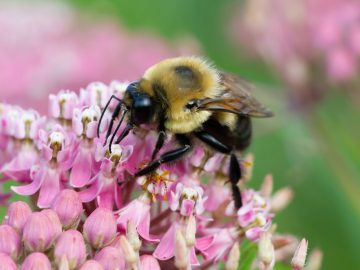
[94, 214]
[312, 44]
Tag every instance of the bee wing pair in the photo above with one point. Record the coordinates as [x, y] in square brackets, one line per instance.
[235, 98]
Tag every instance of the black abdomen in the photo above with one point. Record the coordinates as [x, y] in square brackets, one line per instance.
[239, 138]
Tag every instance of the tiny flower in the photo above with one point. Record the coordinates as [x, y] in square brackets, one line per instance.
[62, 105]
[298, 261]
[17, 214]
[7, 263]
[148, 262]
[111, 258]
[266, 251]
[68, 207]
[100, 228]
[187, 200]
[71, 247]
[10, 242]
[36, 260]
[40, 231]
[96, 93]
[91, 265]
[232, 262]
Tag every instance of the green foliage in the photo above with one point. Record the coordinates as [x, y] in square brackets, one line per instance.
[248, 252]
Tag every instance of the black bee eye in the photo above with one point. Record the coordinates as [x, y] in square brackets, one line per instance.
[192, 104]
[142, 109]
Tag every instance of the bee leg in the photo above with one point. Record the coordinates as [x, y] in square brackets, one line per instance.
[160, 141]
[234, 168]
[168, 156]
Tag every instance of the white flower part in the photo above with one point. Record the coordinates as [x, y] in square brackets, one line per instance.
[66, 96]
[260, 219]
[57, 137]
[118, 88]
[28, 116]
[116, 151]
[191, 193]
[259, 201]
[96, 93]
[90, 114]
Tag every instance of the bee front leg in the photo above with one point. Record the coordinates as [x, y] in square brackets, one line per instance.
[168, 156]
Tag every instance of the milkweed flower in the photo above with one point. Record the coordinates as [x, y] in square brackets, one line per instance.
[95, 214]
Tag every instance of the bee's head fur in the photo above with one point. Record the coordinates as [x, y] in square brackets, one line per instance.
[177, 83]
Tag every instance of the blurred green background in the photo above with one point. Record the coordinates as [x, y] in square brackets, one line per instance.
[316, 152]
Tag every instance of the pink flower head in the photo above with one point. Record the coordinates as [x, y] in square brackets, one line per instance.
[6, 262]
[10, 242]
[187, 200]
[36, 260]
[62, 105]
[85, 121]
[104, 185]
[17, 214]
[111, 258]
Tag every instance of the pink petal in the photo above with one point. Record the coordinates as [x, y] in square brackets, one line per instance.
[204, 242]
[193, 257]
[143, 228]
[106, 165]
[31, 188]
[49, 189]
[106, 198]
[254, 233]
[54, 108]
[81, 171]
[165, 249]
[77, 126]
[46, 152]
[126, 153]
[92, 192]
[187, 207]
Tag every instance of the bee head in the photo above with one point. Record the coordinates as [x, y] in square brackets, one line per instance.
[140, 104]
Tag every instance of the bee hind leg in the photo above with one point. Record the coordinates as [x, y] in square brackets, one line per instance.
[168, 156]
[234, 167]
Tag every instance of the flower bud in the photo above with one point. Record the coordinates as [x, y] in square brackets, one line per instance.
[298, 261]
[111, 258]
[100, 227]
[6, 262]
[181, 251]
[232, 262]
[281, 199]
[40, 230]
[267, 186]
[17, 214]
[70, 245]
[36, 260]
[315, 260]
[266, 249]
[68, 207]
[10, 242]
[148, 262]
[91, 265]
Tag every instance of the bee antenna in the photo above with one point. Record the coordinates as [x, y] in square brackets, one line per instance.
[104, 110]
[124, 111]
[125, 132]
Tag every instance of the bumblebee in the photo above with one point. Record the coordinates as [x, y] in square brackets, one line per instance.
[189, 98]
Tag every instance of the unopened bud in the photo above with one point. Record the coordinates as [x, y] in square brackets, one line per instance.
[6, 262]
[70, 245]
[281, 199]
[68, 207]
[232, 262]
[266, 249]
[181, 251]
[315, 260]
[111, 258]
[100, 227]
[91, 265]
[298, 261]
[36, 260]
[17, 214]
[10, 242]
[267, 186]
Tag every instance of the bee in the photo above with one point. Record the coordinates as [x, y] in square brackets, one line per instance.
[189, 98]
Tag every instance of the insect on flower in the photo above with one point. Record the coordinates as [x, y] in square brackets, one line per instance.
[189, 98]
